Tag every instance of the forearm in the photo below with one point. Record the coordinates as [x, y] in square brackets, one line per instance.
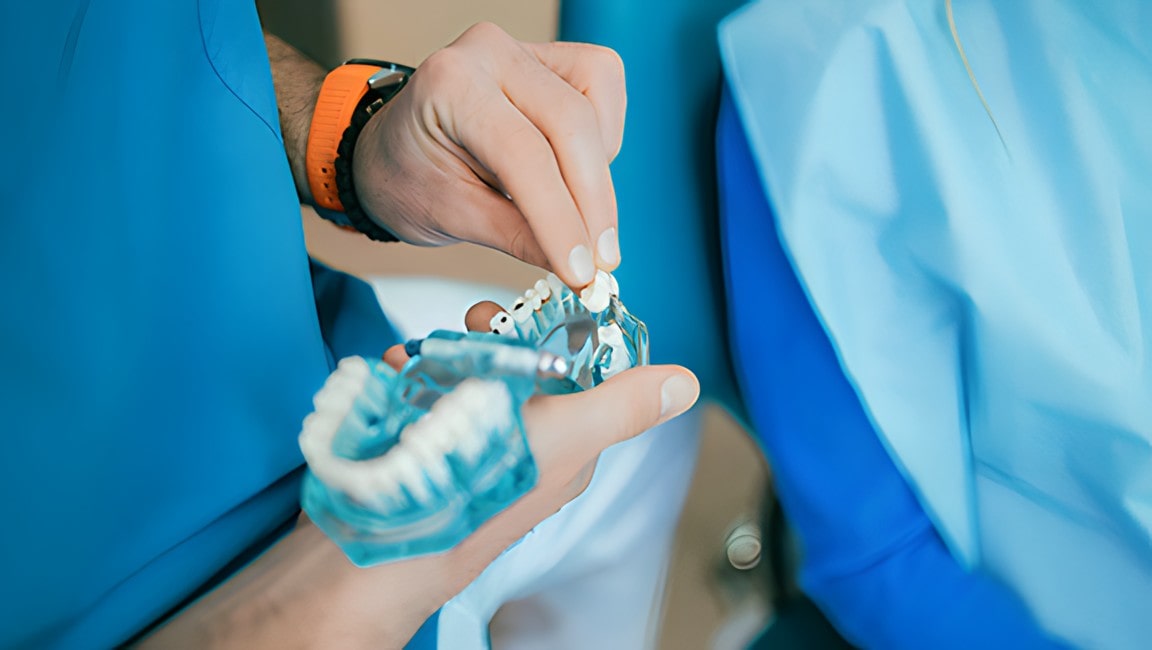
[297, 80]
[303, 592]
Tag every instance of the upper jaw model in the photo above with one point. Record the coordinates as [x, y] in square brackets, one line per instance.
[411, 462]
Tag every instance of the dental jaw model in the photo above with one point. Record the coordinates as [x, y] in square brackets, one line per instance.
[410, 463]
[593, 329]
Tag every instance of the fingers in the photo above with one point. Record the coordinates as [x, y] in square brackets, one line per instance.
[531, 134]
[582, 425]
[597, 73]
[519, 155]
[496, 222]
[570, 123]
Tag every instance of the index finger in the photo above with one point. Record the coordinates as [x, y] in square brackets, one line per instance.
[506, 142]
[597, 72]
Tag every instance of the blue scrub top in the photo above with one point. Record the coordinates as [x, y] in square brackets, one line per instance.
[162, 329]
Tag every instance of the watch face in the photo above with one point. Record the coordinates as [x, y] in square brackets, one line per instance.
[387, 80]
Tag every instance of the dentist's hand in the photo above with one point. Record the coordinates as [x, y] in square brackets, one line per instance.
[505, 144]
[566, 434]
[303, 592]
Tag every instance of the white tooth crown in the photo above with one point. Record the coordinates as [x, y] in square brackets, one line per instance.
[555, 284]
[520, 311]
[611, 336]
[595, 296]
[532, 299]
[543, 289]
[501, 323]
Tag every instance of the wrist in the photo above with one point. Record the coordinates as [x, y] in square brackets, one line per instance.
[349, 97]
[380, 606]
[297, 81]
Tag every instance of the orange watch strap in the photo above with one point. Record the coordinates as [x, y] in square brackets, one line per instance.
[340, 94]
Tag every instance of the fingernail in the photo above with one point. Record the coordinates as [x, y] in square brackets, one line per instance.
[608, 247]
[676, 395]
[580, 261]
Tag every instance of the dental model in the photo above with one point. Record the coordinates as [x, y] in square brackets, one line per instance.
[594, 329]
[410, 463]
[388, 479]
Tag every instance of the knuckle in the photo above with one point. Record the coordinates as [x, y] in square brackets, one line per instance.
[577, 108]
[607, 62]
[486, 31]
[443, 64]
[574, 117]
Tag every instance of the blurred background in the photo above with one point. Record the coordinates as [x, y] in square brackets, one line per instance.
[708, 602]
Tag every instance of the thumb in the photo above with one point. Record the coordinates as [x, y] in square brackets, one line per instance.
[623, 407]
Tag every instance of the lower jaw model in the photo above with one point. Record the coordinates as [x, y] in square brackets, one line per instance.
[409, 463]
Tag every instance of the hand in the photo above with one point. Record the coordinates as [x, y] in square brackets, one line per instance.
[566, 435]
[303, 591]
[504, 144]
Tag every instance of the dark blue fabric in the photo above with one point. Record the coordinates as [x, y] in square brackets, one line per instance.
[872, 560]
[161, 329]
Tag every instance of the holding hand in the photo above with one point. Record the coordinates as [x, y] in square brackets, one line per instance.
[566, 434]
[505, 144]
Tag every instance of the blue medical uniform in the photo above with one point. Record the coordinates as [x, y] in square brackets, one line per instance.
[872, 559]
[162, 329]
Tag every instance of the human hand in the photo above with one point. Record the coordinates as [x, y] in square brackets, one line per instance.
[505, 144]
[566, 435]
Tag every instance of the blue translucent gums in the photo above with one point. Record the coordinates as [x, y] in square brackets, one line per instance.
[592, 342]
[389, 480]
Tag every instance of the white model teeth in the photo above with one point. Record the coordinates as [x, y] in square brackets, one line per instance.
[595, 297]
[520, 311]
[462, 422]
[555, 284]
[501, 323]
[532, 299]
[408, 472]
[611, 336]
[354, 366]
[338, 397]
[543, 290]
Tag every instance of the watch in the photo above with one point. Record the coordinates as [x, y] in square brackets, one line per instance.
[350, 95]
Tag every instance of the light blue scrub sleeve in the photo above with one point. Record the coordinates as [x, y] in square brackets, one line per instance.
[872, 560]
